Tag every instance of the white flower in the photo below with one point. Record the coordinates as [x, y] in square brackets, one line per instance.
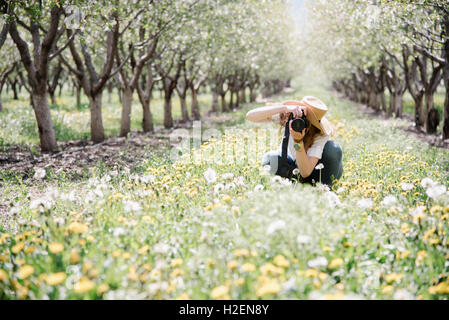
[219, 187]
[39, 173]
[161, 247]
[277, 179]
[148, 178]
[267, 168]
[240, 181]
[340, 190]
[275, 226]
[365, 203]
[417, 211]
[317, 262]
[286, 182]
[403, 294]
[407, 186]
[389, 201]
[427, 182]
[302, 239]
[319, 166]
[333, 199]
[227, 176]
[435, 191]
[210, 175]
[230, 186]
[323, 187]
[118, 232]
[296, 171]
[131, 206]
[259, 187]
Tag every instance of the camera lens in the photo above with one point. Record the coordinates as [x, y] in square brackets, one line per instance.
[298, 125]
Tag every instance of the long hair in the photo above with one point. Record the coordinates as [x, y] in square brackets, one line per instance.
[310, 134]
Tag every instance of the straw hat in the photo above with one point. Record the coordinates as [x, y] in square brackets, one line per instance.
[316, 109]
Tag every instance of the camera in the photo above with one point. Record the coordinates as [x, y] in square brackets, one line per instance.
[299, 124]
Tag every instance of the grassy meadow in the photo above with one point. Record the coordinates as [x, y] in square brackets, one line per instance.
[218, 226]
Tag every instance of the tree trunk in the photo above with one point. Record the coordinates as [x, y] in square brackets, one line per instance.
[168, 119]
[252, 94]
[446, 106]
[78, 96]
[96, 119]
[243, 95]
[419, 120]
[224, 106]
[195, 106]
[45, 126]
[125, 126]
[14, 90]
[398, 104]
[52, 97]
[1, 104]
[214, 102]
[147, 121]
[184, 110]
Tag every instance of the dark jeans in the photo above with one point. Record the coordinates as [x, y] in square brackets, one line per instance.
[331, 160]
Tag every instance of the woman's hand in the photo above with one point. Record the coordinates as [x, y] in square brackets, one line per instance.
[298, 136]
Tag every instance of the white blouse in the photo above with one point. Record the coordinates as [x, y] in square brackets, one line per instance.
[315, 150]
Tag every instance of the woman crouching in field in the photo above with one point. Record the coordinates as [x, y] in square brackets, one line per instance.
[310, 150]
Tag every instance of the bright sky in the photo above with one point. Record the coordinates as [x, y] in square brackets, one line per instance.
[299, 11]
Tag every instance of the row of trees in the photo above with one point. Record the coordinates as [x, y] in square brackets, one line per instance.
[373, 47]
[138, 46]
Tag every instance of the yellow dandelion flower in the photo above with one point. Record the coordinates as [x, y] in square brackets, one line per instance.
[335, 263]
[177, 272]
[268, 287]
[142, 251]
[248, 267]
[239, 282]
[233, 264]
[75, 256]
[183, 296]
[78, 227]
[102, 288]
[87, 265]
[269, 268]
[219, 292]
[83, 285]
[393, 277]
[55, 278]
[55, 247]
[176, 262]
[281, 261]
[311, 273]
[25, 271]
[340, 286]
[441, 288]
[132, 274]
[116, 253]
[339, 295]
[18, 247]
[126, 255]
[3, 275]
[387, 290]
[241, 253]
[29, 250]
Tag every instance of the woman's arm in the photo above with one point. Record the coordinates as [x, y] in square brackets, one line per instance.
[305, 163]
[264, 114]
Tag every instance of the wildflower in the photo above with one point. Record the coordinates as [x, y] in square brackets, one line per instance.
[317, 262]
[269, 287]
[275, 226]
[258, 187]
[210, 175]
[25, 271]
[74, 256]
[102, 288]
[441, 288]
[131, 206]
[183, 296]
[55, 278]
[232, 264]
[18, 247]
[220, 292]
[280, 261]
[55, 247]
[427, 182]
[387, 290]
[393, 277]
[365, 203]
[403, 294]
[269, 268]
[295, 171]
[3, 275]
[276, 179]
[39, 174]
[389, 201]
[436, 191]
[319, 166]
[241, 253]
[78, 227]
[161, 247]
[176, 262]
[335, 263]
[219, 187]
[248, 267]
[83, 285]
[407, 186]
[227, 176]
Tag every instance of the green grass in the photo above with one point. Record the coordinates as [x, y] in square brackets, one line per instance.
[162, 231]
